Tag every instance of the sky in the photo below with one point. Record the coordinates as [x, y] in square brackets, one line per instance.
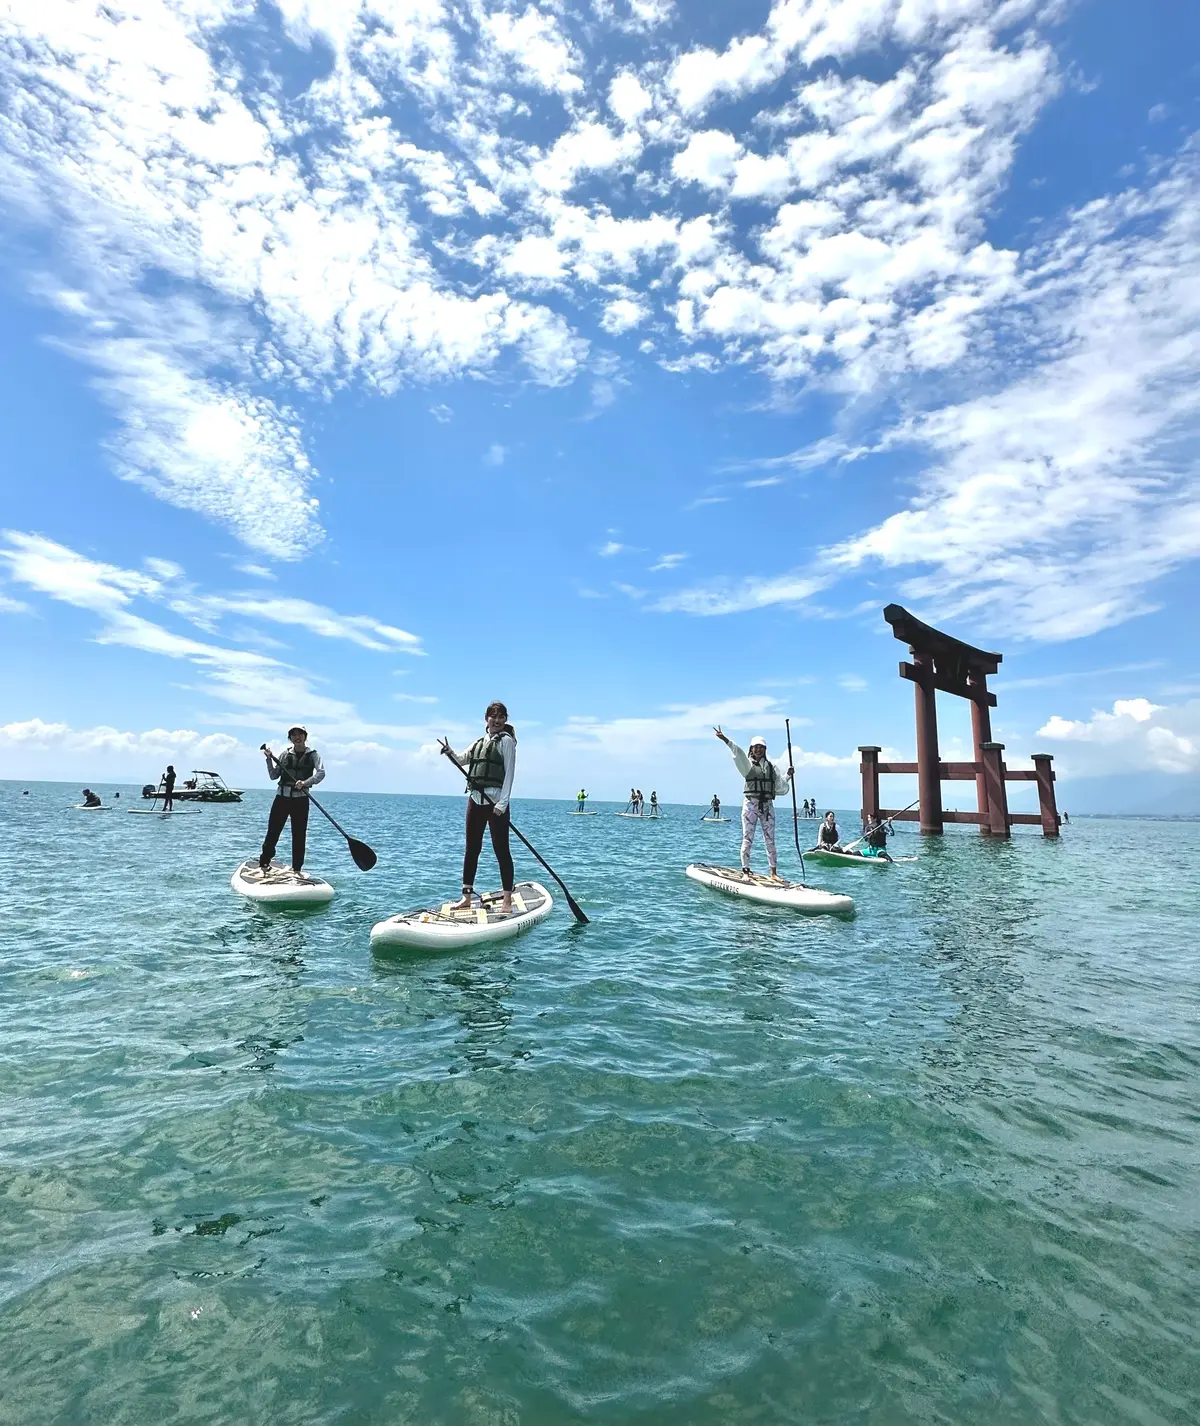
[621, 359]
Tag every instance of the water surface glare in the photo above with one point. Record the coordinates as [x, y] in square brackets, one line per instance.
[698, 1162]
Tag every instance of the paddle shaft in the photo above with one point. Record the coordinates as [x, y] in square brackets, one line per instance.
[787, 723]
[576, 909]
[283, 773]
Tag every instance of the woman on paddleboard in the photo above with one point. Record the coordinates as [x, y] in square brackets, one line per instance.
[490, 763]
[765, 781]
[296, 771]
[828, 836]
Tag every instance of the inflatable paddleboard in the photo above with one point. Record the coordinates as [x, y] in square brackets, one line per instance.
[714, 819]
[83, 807]
[808, 899]
[583, 814]
[829, 858]
[440, 928]
[280, 885]
[638, 815]
[162, 812]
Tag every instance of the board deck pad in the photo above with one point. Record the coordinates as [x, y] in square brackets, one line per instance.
[485, 909]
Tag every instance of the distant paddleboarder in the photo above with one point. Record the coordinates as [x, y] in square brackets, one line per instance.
[714, 806]
[491, 764]
[168, 786]
[89, 798]
[581, 798]
[765, 781]
[654, 804]
[296, 771]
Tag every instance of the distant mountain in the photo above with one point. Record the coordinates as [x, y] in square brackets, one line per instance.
[1149, 794]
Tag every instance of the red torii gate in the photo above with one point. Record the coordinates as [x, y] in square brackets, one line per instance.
[947, 665]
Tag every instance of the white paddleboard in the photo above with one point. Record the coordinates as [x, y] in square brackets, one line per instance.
[638, 815]
[438, 927]
[825, 857]
[714, 819]
[583, 814]
[83, 807]
[808, 899]
[280, 885]
[161, 812]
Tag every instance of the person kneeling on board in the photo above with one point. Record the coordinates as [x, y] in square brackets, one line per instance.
[765, 781]
[828, 837]
[296, 771]
[89, 798]
[491, 762]
[876, 839]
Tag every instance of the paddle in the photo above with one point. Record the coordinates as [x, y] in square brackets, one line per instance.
[364, 857]
[576, 910]
[885, 823]
[787, 723]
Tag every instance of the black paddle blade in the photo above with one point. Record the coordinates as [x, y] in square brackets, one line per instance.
[576, 910]
[364, 857]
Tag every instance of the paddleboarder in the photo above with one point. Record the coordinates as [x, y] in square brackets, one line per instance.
[168, 785]
[714, 806]
[654, 804]
[296, 771]
[89, 798]
[876, 838]
[765, 781]
[828, 836]
[490, 763]
[581, 798]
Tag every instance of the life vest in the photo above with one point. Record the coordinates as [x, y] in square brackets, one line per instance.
[297, 767]
[485, 763]
[827, 836]
[878, 837]
[762, 781]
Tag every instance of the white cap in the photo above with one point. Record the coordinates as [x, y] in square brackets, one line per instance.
[757, 741]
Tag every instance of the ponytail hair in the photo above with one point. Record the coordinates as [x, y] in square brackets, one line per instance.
[497, 709]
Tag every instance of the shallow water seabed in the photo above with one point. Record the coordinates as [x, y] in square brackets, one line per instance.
[700, 1161]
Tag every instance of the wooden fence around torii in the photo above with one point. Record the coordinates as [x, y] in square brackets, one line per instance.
[944, 664]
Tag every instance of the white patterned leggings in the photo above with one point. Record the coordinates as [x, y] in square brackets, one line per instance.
[755, 816]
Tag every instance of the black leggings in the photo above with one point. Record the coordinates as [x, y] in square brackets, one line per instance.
[479, 816]
[281, 809]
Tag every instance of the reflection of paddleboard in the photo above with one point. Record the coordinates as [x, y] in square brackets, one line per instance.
[438, 927]
[83, 807]
[714, 819]
[280, 885]
[163, 812]
[774, 893]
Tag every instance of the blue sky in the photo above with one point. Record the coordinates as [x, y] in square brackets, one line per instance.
[365, 362]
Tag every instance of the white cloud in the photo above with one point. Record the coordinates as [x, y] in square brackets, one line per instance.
[610, 548]
[709, 158]
[628, 98]
[742, 596]
[667, 562]
[441, 413]
[852, 683]
[495, 454]
[9, 605]
[1137, 736]
[622, 314]
[258, 571]
[540, 52]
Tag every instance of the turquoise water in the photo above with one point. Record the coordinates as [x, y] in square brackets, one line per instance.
[698, 1162]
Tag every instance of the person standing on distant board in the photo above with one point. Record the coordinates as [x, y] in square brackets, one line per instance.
[296, 771]
[714, 806]
[581, 798]
[168, 782]
[765, 781]
[491, 765]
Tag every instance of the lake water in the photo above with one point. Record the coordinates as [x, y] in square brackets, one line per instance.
[698, 1162]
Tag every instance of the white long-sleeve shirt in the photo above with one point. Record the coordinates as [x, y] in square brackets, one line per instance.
[508, 754]
[742, 762]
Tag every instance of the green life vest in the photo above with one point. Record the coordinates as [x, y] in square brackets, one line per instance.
[762, 781]
[485, 765]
